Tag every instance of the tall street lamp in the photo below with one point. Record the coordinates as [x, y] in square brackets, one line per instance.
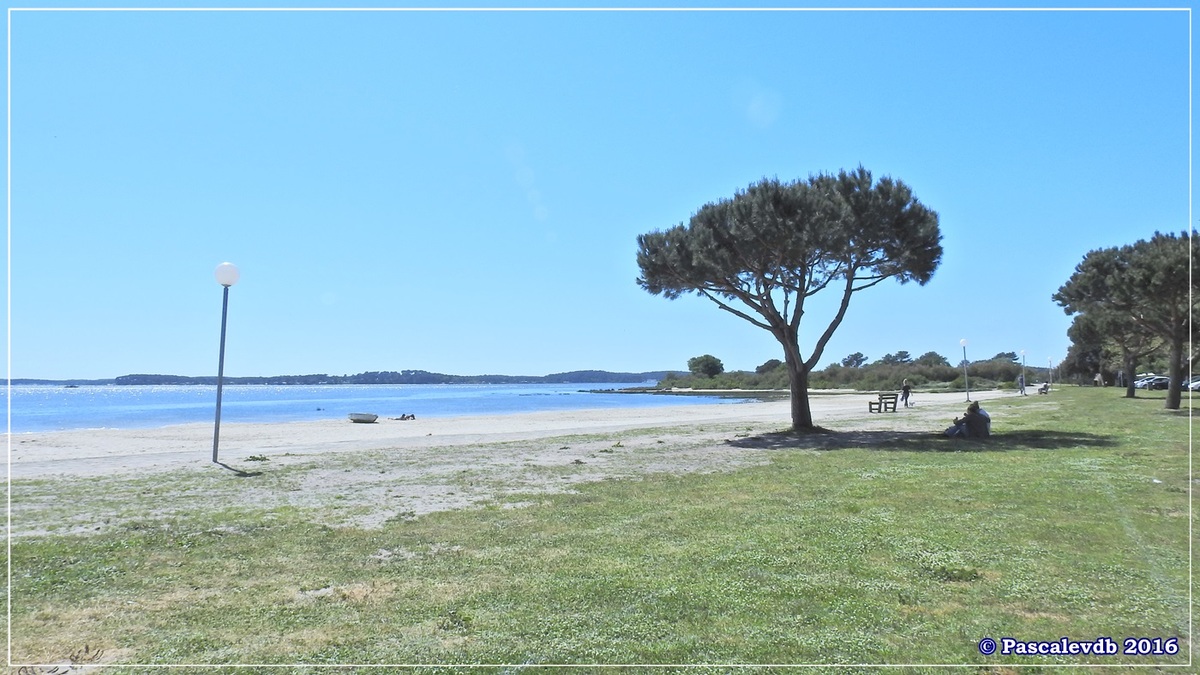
[1049, 371]
[1023, 373]
[966, 379]
[227, 275]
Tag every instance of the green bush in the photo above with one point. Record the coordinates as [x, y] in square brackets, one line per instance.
[925, 374]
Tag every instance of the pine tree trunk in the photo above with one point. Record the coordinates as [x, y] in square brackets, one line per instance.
[801, 411]
[1130, 366]
[797, 384]
[1175, 371]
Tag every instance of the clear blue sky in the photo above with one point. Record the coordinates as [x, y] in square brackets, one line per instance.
[460, 192]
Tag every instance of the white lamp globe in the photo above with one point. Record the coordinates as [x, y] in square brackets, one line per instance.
[963, 342]
[226, 274]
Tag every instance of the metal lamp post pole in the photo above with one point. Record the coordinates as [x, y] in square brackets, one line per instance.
[227, 275]
[220, 373]
[1022, 371]
[966, 378]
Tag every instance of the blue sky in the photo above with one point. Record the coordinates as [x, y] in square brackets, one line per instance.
[461, 192]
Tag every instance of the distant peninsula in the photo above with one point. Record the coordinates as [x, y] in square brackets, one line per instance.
[374, 377]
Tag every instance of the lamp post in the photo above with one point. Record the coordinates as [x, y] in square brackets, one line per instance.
[1049, 371]
[966, 378]
[1023, 373]
[227, 275]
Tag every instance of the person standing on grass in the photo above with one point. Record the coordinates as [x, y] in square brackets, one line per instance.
[905, 390]
[1021, 384]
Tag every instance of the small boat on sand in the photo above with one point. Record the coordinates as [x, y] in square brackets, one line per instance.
[363, 418]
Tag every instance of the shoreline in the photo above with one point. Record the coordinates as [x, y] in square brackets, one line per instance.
[96, 408]
[755, 394]
[96, 452]
[341, 474]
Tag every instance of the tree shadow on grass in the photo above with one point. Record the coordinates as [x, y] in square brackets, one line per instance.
[911, 441]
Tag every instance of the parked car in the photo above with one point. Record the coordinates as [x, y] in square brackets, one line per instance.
[1143, 381]
[1157, 382]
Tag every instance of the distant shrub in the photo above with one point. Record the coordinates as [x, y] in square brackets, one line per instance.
[930, 373]
[706, 365]
[769, 366]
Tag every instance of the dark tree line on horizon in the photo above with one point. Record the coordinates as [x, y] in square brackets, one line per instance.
[886, 373]
[372, 377]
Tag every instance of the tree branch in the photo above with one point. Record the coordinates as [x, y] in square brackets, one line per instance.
[877, 280]
[837, 320]
[735, 312]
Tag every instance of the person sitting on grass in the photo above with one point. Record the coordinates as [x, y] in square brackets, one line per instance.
[975, 423]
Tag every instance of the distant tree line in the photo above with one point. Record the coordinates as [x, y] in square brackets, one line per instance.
[372, 377]
[930, 370]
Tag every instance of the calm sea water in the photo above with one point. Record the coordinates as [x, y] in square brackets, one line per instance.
[56, 408]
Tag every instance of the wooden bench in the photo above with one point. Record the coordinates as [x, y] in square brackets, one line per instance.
[886, 403]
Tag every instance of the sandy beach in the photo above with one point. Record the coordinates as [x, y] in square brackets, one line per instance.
[112, 451]
[392, 467]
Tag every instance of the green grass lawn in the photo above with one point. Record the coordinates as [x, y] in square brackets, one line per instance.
[852, 549]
